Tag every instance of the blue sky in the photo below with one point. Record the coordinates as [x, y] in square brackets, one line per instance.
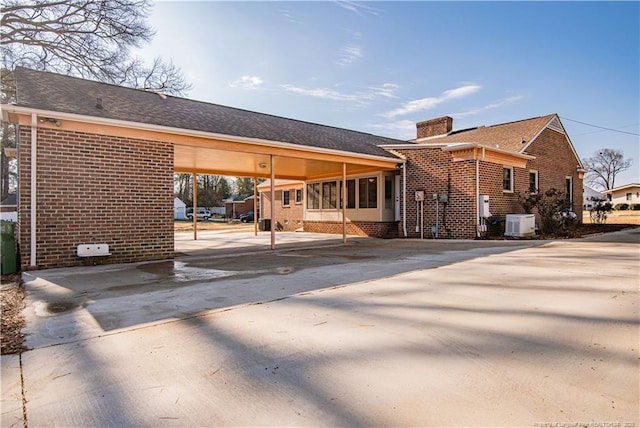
[380, 67]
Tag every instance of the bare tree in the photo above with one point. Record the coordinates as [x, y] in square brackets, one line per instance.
[85, 38]
[603, 167]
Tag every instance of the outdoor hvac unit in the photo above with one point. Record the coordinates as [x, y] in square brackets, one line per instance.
[520, 225]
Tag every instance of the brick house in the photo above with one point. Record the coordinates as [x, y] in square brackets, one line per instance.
[289, 199]
[84, 145]
[237, 205]
[456, 168]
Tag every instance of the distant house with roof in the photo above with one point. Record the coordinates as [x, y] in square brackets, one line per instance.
[94, 144]
[591, 198]
[627, 194]
[9, 207]
[237, 205]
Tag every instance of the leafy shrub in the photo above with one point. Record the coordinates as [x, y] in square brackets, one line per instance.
[635, 207]
[621, 207]
[553, 208]
[600, 211]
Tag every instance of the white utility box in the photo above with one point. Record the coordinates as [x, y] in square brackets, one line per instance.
[520, 225]
[483, 206]
[93, 250]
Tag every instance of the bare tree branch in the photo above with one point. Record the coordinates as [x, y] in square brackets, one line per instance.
[86, 38]
[603, 167]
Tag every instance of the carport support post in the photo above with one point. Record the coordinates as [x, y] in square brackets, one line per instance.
[344, 202]
[273, 204]
[255, 205]
[195, 207]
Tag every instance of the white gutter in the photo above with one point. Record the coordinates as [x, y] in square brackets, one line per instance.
[33, 235]
[10, 108]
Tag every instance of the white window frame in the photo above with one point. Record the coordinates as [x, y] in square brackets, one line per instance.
[537, 184]
[511, 179]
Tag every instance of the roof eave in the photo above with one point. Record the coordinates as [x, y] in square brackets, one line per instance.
[8, 109]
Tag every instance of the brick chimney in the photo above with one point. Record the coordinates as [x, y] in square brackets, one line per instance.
[432, 127]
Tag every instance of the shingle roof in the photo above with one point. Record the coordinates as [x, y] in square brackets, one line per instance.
[55, 92]
[511, 136]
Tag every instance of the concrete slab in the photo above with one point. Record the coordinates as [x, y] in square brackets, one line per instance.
[445, 334]
[11, 397]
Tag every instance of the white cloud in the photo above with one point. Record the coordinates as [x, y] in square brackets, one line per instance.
[349, 54]
[247, 82]
[431, 102]
[499, 103]
[386, 90]
[288, 15]
[401, 129]
[358, 7]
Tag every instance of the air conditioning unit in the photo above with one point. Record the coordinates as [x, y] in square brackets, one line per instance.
[520, 225]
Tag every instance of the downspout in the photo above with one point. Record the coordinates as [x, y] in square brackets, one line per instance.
[33, 236]
[404, 199]
[478, 197]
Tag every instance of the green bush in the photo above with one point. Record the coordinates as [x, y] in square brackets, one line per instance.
[635, 207]
[621, 207]
[600, 211]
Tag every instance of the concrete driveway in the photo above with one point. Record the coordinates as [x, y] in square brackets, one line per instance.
[377, 332]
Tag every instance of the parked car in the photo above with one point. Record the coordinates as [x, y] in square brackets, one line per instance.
[202, 213]
[247, 217]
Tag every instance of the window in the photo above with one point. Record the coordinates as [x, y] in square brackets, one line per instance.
[298, 196]
[313, 196]
[388, 192]
[533, 181]
[329, 195]
[351, 194]
[286, 198]
[628, 195]
[507, 179]
[568, 189]
[368, 188]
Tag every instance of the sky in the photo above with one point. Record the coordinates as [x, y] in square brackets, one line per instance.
[381, 67]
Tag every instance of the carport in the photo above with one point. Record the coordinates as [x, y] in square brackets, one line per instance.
[82, 142]
[225, 155]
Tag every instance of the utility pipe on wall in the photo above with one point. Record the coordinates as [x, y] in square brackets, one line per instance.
[33, 235]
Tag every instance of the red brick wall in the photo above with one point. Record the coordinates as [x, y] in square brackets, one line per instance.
[555, 160]
[432, 170]
[289, 218]
[358, 228]
[96, 189]
[433, 127]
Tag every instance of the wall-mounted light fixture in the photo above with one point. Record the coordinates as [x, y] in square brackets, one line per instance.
[262, 165]
[56, 122]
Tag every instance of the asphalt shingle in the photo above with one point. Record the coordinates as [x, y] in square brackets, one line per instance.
[59, 93]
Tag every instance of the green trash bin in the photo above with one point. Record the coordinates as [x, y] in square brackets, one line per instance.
[8, 247]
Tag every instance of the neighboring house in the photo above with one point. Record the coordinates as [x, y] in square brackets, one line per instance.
[627, 194]
[9, 208]
[94, 141]
[179, 209]
[590, 198]
[237, 205]
[289, 208]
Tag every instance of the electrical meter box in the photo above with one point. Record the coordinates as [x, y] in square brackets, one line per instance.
[483, 209]
[420, 195]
